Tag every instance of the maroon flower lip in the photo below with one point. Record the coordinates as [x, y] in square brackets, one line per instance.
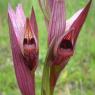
[66, 45]
[30, 50]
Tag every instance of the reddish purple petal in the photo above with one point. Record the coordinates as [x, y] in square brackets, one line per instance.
[34, 23]
[51, 3]
[57, 21]
[18, 21]
[20, 15]
[70, 21]
[76, 22]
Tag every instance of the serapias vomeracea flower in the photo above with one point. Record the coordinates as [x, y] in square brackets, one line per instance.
[62, 37]
[24, 44]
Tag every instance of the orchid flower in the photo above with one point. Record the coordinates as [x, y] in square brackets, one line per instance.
[62, 37]
[24, 44]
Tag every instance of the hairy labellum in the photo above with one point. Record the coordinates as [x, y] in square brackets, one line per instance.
[29, 45]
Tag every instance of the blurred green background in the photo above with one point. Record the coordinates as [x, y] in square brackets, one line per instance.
[78, 78]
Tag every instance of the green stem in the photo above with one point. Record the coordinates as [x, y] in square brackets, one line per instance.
[50, 76]
[46, 80]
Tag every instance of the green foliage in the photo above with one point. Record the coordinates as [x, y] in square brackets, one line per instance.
[78, 78]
